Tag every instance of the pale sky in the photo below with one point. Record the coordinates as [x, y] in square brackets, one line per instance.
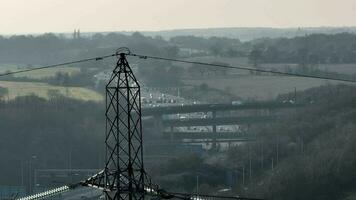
[39, 16]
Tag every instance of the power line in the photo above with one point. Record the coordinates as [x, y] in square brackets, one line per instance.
[181, 61]
[243, 68]
[58, 65]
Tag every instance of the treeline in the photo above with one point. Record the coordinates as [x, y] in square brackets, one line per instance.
[59, 133]
[51, 48]
[310, 49]
[218, 46]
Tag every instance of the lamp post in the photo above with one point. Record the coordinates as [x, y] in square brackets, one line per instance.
[30, 172]
[22, 173]
[197, 181]
[197, 184]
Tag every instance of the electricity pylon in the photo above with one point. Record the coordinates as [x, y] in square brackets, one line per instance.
[124, 174]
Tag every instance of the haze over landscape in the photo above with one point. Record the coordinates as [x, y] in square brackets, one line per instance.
[40, 16]
[177, 99]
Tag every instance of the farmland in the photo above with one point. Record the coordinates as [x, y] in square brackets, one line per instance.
[243, 61]
[259, 87]
[41, 89]
[45, 91]
[39, 74]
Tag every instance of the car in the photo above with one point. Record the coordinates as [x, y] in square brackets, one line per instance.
[236, 103]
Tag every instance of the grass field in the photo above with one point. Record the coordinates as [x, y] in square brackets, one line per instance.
[239, 61]
[39, 74]
[260, 87]
[339, 68]
[41, 90]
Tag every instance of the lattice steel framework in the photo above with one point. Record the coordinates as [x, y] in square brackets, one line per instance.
[123, 176]
[124, 172]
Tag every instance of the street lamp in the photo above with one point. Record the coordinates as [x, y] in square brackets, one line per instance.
[33, 157]
[197, 184]
[197, 181]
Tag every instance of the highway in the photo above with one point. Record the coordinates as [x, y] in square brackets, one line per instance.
[218, 121]
[164, 110]
[209, 135]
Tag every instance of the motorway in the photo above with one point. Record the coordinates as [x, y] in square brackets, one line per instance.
[209, 135]
[164, 110]
[218, 121]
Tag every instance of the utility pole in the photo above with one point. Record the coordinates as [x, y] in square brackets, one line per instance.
[29, 178]
[302, 145]
[250, 162]
[197, 184]
[262, 155]
[70, 162]
[30, 173]
[243, 175]
[35, 180]
[277, 150]
[22, 173]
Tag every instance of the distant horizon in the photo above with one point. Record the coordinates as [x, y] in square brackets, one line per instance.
[180, 29]
[43, 16]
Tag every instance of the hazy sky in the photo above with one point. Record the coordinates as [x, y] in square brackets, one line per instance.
[38, 16]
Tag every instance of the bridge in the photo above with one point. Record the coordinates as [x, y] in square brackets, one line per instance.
[216, 121]
[215, 115]
[227, 136]
[165, 110]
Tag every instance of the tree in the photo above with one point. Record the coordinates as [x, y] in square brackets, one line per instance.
[171, 51]
[198, 69]
[220, 71]
[54, 94]
[255, 57]
[3, 92]
[216, 49]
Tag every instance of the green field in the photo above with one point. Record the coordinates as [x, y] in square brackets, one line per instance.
[243, 61]
[241, 84]
[260, 87]
[42, 89]
[339, 68]
[39, 74]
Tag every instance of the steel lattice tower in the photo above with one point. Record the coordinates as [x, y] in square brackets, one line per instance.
[124, 172]
[123, 177]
